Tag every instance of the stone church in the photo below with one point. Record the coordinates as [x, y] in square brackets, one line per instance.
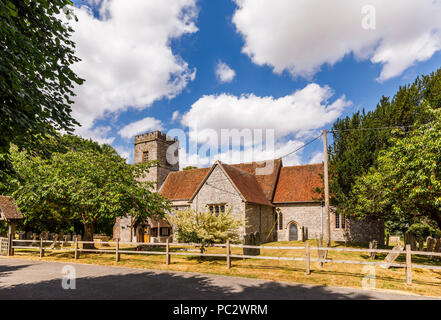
[278, 203]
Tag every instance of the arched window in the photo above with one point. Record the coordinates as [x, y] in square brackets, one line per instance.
[280, 220]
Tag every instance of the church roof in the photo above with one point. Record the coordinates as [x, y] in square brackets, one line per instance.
[297, 184]
[260, 183]
[8, 209]
[266, 174]
[246, 184]
[181, 185]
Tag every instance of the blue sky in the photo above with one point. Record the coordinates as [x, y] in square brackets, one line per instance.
[269, 67]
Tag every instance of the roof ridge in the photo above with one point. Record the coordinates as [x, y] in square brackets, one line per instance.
[242, 171]
[304, 165]
[252, 162]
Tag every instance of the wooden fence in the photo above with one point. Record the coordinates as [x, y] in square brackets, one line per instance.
[4, 246]
[118, 251]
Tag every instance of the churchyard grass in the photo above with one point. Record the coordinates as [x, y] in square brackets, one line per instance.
[424, 282]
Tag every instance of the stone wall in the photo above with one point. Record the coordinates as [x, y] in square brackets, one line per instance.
[303, 215]
[260, 219]
[363, 231]
[219, 190]
[121, 230]
[310, 215]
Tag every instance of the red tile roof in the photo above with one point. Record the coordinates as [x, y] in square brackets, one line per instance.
[297, 184]
[8, 209]
[266, 174]
[247, 185]
[293, 184]
[181, 185]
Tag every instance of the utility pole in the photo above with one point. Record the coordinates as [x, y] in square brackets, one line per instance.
[326, 182]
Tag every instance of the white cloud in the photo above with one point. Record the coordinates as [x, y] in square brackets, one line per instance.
[143, 125]
[248, 154]
[303, 110]
[99, 134]
[316, 157]
[175, 116]
[294, 119]
[125, 153]
[126, 56]
[224, 73]
[300, 36]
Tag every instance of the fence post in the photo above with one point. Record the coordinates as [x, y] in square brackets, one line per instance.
[76, 247]
[41, 248]
[167, 252]
[308, 258]
[408, 265]
[11, 238]
[228, 255]
[117, 251]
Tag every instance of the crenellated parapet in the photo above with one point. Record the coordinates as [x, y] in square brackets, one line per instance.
[154, 135]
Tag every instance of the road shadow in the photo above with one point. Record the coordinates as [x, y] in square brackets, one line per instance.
[171, 286]
[6, 270]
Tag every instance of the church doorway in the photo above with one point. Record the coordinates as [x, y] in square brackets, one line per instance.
[293, 232]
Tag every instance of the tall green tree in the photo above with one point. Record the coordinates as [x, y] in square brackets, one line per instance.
[88, 183]
[36, 79]
[406, 182]
[355, 148]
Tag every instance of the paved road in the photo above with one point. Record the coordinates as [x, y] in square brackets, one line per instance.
[26, 279]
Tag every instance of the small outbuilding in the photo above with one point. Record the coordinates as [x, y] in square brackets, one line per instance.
[11, 214]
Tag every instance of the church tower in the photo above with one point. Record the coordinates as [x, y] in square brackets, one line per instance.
[157, 146]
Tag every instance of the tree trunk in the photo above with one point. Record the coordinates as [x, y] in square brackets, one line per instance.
[88, 236]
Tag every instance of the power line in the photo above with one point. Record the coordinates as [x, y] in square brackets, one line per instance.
[379, 128]
[300, 148]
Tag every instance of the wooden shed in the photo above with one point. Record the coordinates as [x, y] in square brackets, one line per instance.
[10, 213]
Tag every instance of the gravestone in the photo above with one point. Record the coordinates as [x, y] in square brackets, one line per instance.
[66, 241]
[373, 245]
[305, 234]
[421, 244]
[392, 256]
[35, 243]
[394, 239]
[28, 235]
[252, 239]
[44, 235]
[437, 247]
[409, 238]
[429, 244]
[56, 243]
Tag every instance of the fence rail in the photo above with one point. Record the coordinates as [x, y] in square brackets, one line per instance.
[118, 250]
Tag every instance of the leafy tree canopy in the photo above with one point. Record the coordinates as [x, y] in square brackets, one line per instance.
[405, 184]
[36, 80]
[355, 149]
[88, 183]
